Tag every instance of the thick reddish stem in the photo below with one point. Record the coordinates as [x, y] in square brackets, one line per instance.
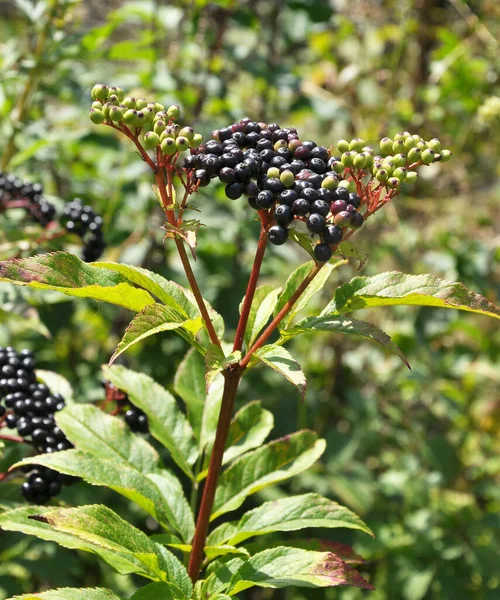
[232, 380]
[13, 438]
[252, 285]
[264, 336]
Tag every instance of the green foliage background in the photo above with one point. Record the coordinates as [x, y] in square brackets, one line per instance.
[414, 453]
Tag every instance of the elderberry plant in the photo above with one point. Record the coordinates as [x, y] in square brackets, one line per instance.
[301, 193]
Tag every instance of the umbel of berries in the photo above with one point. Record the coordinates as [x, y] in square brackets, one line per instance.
[29, 407]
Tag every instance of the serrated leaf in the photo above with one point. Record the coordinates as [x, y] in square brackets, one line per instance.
[262, 308]
[189, 384]
[66, 273]
[155, 591]
[220, 573]
[395, 288]
[349, 250]
[19, 520]
[166, 421]
[216, 362]
[287, 514]
[121, 477]
[249, 428]
[275, 462]
[345, 326]
[282, 361]
[302, 239]
[282, 567]
[211, 411]
[56, 384]
[72, 594]
[100, 526]
[154, 319]
[346, 553]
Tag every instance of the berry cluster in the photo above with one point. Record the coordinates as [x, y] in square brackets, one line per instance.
[29, 407]
[135, 418]
[78, 219]
[138, 115]
[14, 189]
[83, 221]
[280, 173]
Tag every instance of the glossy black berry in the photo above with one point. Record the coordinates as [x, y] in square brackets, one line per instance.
[278, 235]
[301, 206]
[201, 177]
[283, 214]
[288, 197]
[234, 190]
[322, 252]
[341, 194]
[265, 199]
[321, 207]
[354, 199]
[332, 234]
[316, 223]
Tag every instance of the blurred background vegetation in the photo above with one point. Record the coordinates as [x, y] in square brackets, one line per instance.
[416, 454]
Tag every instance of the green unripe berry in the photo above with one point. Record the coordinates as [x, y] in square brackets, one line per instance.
[360, 161]
[170, 131]
[382, 175]
[411, 177]
[398, 146]
[350, 186]
[273, 173]
[115, 89]
[96, 116]
[141, 103]
[113, 99]
[159, 127]
[168, 146]
[389, 166]
[287, 178]
[97, 104]
[369, 159]
[445, 155]
[399, 160]
[394, 183]
[187, 132]
[386, 146]
[330, 183]
[347, 159]
[196, 141]
[105, 109]
[100, 91]
[148, 114]
[337, 166]
[414, 155]
[174, 111]
[129, 102]
[280, 144]
[151, 140]
[140, 118]
[356, 144]
[162, 114]
[116, 114]
[428, 156]
[182, 143]
[410, 143]
[343, 146]
[434, 144]
[400, 136]
[368, 150]
[421, 145]
[157, 106]
[130, 116]
[400, 173]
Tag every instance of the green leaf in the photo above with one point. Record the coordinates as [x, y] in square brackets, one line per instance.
[249, 428]
[26, 320]
[346, 553]
[67, 274]
[345, 326]
[394, 288]
[211, 412]
[166, 421]
[281, 360]
[146, 490]
[216, 362]
[56, 384]
[155, 591]
[262, 308]
[100, 526]
[20, 520]
[287, 514]
[72, 594]
[189, 384]
[302, 239]
[154, 319]
[282, 567]
[270, 464]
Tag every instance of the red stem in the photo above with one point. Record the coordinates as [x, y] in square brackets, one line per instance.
[232, 380]
[264, 336]
[252, 284]
[13, 438]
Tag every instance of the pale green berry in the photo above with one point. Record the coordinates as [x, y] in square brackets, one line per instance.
[434, 144]
[428, 156]
[182, 143]
[116, 114]
[168, 146]
[169, 132]
[386, 146]
[287, 178]
[398, 146]
[369, 159]
[410, 143]
[141, 120]
[129, 102]
[368, 150]
[414, 155]
[343, 146]
[97, 104]
[196, 141]
[445, 155]
[360, 161]
[141, 103]
[130, 116]
[162, 114]
[157, 107]
[400, 136]
[113, 99]
[350, 186]
[347, 159]
[148, 114]
[174, 111]
[118, 92]
[330, 183]
[159, 126]
[273, 173]
[280, 144]
[401, 173]
[382, 175]
[337, 166]
[356, 144]
[100, 91]
[422, 145]
[389, 166]
[394, 183]
[151, 140]
[411, 177]
[96, 116]
[399, 160]
[187, 132]
[105, 109]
